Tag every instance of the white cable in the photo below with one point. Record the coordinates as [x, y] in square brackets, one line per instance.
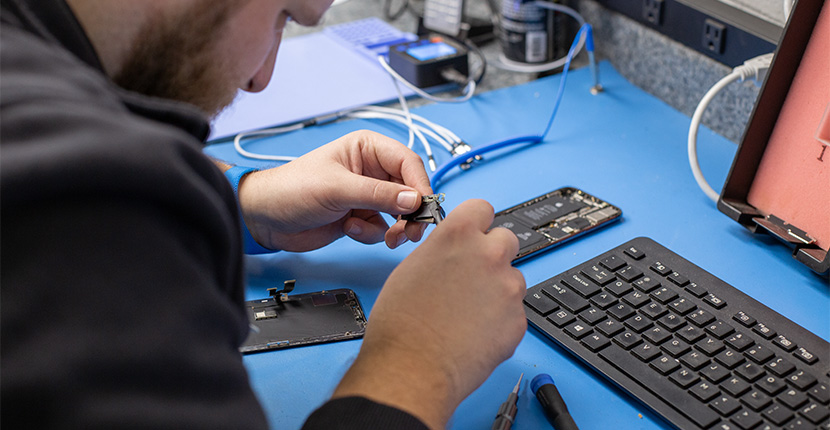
[754, 68]
[505, 63]
[469, 89]
[237, 142]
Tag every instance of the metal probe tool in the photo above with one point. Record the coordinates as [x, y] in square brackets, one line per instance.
[508, 409]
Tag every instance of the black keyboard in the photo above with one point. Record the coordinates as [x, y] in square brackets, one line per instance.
[694, 349]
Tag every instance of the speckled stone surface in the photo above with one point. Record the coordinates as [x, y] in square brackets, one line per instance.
[677, 75]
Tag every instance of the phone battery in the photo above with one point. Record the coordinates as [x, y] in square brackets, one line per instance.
[547, 210]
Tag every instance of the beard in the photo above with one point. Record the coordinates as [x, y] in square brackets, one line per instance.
[176, 58]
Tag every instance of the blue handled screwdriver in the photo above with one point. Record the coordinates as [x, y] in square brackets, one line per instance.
[508, 409]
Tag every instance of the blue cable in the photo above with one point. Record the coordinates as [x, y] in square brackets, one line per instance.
[462, 158]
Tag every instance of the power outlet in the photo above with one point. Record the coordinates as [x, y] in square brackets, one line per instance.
[653, 11]
[714, 34]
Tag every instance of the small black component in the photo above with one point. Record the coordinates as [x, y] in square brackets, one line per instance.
[430, 210]
[547, 210]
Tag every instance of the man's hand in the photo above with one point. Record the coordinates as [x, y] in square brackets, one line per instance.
[338, 189]
[447, 316]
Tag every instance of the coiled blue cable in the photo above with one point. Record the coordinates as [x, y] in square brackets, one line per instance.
[530, 139]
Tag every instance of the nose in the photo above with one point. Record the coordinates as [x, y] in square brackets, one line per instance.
[263, 75]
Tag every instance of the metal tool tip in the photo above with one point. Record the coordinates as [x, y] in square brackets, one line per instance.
[518, 384]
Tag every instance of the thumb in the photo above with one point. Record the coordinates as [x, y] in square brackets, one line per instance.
[379, 195]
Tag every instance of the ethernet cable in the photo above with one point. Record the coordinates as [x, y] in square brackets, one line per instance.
[754, 68]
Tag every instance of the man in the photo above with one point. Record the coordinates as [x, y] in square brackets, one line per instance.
[122, 277]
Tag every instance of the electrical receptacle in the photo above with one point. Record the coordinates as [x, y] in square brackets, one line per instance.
[714, 34]
[653, 11]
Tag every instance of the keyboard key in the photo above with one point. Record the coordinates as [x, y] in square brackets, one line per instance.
[705, 391]
[581, 285]
[700, 317]
[665, 365]
[660, 268]
[814, 412]
[744, 319]
[671, 322]
[764, 331]
[780, 367]
[678, 279]
[682, 305]
[645, 351]
[595, 342]
[735, 386]
[629, 273]
[710, 346]
[691, 333]
[653, 310]
[729, 358]
[566, 297]
[739, 341]
[756, 400]
[694, 360]
[771, 385]
[778, 415]
[696, 289]
[676, 347]
[663, 295]
[646, 284]
[713, 300]
[782, 342]
[620, 311]
[578, 330]
[821, 393]
[638, 323]
[657, 335]
[603, 300]
[610, 327]
[541, 303]
[719, 329]
[634, 253]
[793, 398]
[759, 354]
[612, 262]
[805, 356]
[627, 340]
[684, 378]
[750, 371]
[592, 315]
[725, 405]
[714, 372]
[598, 274]
[746, 420]
[801, 380]
[618, 288]
[561, 317]
[636, 298]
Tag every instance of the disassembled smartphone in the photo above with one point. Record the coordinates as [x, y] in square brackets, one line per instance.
[551, 219]
[283, 321]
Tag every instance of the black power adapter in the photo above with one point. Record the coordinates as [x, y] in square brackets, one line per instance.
[429, 61]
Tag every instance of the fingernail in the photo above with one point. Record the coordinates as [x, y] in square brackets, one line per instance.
[408, 199]
[354, 230]
[401, 239]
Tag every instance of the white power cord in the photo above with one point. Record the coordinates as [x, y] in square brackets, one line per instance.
[754, 68]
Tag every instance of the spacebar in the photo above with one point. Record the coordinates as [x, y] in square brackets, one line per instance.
[671, 394]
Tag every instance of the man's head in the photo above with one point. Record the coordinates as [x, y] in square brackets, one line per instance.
[196, 51]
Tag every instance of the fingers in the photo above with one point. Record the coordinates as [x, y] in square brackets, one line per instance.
[365, 227]
[379, 195]
[396, 160]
